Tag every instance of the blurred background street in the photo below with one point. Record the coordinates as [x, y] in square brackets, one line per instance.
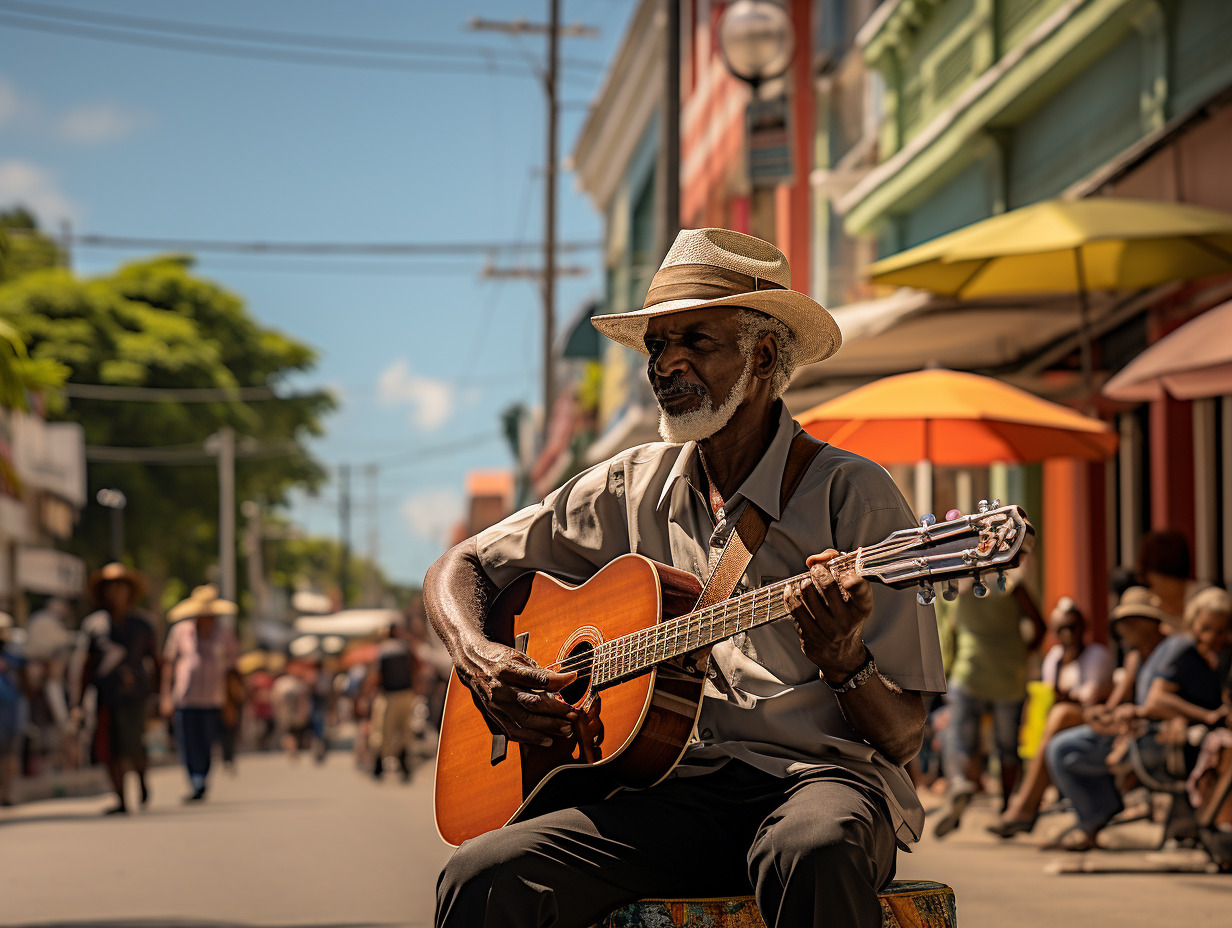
[297, 844]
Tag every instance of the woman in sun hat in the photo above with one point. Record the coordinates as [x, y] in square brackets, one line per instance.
[199, 653]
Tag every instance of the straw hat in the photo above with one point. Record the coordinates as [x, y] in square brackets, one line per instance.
[718, 267]
[116, 571]
[1140, 602]
[203, 601]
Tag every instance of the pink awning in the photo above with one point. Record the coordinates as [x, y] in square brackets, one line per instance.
[1193, 362]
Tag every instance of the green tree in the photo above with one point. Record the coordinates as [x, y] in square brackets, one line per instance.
[155, 324]
[23, 249]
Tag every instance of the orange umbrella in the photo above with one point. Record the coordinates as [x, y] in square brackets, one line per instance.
[957, 419]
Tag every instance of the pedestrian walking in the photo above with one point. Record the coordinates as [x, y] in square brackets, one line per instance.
[199, 653]
[391, 681]
[14, 710]
[121, 663]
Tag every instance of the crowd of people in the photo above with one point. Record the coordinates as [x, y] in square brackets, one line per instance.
[1147, 716]
[110, 690]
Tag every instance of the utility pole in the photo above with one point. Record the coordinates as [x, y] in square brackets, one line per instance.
[371, 588]
[554, 30]
[669, 149]
[344, 533]
[226, 512]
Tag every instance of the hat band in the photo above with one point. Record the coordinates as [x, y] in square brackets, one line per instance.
[702, 282]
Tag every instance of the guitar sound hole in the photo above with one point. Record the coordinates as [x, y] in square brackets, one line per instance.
[579, 659]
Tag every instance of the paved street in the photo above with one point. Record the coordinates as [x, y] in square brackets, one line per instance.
[301, 845]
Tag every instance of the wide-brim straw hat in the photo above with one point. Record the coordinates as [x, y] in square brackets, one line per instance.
[203, 601]
[1138, 601]
[717, 267]
[116, 571]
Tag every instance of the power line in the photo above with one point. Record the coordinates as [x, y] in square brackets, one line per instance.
[313, 249]
[185, 454]
[270, 45]
[98, 391]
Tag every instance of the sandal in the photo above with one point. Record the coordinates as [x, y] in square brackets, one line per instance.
[1066, 841]
[1008, 828]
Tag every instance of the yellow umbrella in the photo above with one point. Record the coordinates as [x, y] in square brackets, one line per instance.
[1068, 246]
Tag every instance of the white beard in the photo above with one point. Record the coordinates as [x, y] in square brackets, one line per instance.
[700, 423]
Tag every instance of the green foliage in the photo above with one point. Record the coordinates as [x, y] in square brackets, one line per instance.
[23, 248]
[154, 323]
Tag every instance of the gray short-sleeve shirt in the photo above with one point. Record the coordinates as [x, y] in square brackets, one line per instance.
[767, 705]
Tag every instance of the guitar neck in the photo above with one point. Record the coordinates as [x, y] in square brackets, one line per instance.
[991, 539]
[635, 654]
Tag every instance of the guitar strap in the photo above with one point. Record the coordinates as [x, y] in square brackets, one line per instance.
[751, 528]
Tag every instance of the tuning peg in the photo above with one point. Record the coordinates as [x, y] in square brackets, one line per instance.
[926, 595]
[928, 519]
[978, 588]
[1002, 581]
[983, 507]
[995, 504]
[950, 593]
[953, 514]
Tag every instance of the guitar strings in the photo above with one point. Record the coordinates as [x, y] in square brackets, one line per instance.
[702, 620]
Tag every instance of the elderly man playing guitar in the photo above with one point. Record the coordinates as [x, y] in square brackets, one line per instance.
[791, 782]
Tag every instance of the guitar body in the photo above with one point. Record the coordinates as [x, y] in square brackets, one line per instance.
[647, 719]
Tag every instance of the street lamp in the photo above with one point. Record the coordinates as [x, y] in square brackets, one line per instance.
[114, 500]
[756, 40]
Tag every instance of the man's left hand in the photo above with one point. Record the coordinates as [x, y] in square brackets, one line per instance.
[830, 611]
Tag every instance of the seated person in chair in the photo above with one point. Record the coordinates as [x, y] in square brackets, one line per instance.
[1177, 680]
[794, 788]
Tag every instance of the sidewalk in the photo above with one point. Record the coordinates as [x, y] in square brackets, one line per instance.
[60, 784]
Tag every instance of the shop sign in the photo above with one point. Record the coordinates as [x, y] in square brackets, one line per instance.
[50, 456]
[769, 138]
[54, 573]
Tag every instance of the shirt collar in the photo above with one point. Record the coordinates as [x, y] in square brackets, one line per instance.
[763, 486]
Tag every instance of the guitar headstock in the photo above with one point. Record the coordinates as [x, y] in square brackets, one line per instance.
[990, 540]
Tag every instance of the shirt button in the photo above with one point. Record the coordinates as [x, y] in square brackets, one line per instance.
[707, 733]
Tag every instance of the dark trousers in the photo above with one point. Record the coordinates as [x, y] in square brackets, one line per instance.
[197, 729]
[814, 849]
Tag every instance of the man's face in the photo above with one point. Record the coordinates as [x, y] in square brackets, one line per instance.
[1135, 630]
[117, 597]
[697, 371]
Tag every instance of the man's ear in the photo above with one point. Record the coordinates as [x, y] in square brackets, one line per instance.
[765, 357]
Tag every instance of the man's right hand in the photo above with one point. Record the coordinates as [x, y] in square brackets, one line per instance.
[518, 694]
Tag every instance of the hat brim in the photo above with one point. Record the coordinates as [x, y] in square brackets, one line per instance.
[1144, 612]
[135, 579]
[817, 334]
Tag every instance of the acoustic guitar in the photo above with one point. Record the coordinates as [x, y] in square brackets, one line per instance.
[628, 632]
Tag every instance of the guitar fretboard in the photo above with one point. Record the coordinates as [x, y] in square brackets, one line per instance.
[632, 655]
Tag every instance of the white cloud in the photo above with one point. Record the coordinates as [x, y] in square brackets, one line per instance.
[97, 124]
[83, 124]
[432, 401]
[433, 513]
[26, 184]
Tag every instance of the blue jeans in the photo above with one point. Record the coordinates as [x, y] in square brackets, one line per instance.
[197, 729]
[963, 733]
[1077, 761]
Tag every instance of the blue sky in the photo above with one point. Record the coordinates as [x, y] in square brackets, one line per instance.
[424, 354]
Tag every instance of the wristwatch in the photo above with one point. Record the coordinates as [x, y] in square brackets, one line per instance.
[862, 675]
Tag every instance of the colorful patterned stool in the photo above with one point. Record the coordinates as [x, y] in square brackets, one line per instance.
[904, 904]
